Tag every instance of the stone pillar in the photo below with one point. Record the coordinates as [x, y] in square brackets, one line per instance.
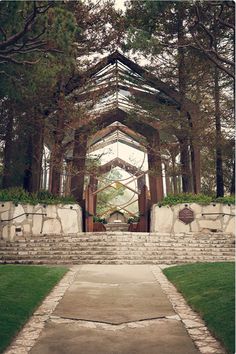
[78, 165]
[155, 167]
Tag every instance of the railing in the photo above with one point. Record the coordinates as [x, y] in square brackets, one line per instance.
[27, 214]
[217, 214]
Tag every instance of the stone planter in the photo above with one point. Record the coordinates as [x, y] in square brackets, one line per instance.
[25, 219]
[215, 217]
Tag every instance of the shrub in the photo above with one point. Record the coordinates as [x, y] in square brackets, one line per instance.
[19, 195]
[98, 219]
[195, 198]
[133, 219]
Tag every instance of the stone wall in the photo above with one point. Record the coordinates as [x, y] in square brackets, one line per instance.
[38, 219]
[215, 217]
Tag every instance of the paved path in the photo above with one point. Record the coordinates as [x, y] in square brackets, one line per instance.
[118, 309]
[105, 309]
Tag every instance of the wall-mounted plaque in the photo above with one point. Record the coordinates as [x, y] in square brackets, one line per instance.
[186, 215]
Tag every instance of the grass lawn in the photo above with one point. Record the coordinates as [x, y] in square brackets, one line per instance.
[209, 289]
[22, 289]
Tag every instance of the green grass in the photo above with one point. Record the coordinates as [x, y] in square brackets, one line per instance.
[22, 289]
[209, 289]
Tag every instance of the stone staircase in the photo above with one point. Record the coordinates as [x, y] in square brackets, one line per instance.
[119, 248]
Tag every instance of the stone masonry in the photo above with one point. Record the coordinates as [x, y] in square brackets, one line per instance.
[119, 248]
[27, 220]
[215, 217]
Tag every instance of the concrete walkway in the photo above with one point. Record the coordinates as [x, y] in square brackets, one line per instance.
[118, 309]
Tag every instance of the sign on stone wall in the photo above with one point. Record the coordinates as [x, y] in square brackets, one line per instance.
[186, 215]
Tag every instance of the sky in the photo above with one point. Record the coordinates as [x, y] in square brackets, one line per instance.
[119, 4]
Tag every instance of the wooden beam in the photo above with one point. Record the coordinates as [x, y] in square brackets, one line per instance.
[118, 162]
[101, 145]
[155, 166]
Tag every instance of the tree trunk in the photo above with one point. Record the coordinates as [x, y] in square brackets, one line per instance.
[232, 187]
[8, 150]
[219, 162]
[57, 156]
[37, 144]
[167, 178]
[34, 154]
[185, 166]
[184, 138]
[78, 165]
[174, 177]
[155, 166]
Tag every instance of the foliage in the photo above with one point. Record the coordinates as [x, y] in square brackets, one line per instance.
[195, 198]
[209, 289]
[19, 195]
[133, 219]
[187, 57]
[98, 219]
[22, 288]
[106, 197]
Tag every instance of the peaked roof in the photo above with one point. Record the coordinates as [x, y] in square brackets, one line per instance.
[122, 74]
[118, 162]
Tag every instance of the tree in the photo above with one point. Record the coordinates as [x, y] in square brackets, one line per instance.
[181, 38]
[31, 90]
[24, 30]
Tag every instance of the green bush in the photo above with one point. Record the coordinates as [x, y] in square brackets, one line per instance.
[195, 198]
[133, 219]
[19, 195]
[98, 219]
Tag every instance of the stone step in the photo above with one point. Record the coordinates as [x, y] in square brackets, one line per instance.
[122, 242]
[155, 255]
[112, 261]
[90, 236]
[122, 252]
[118, 248]
[118, 255]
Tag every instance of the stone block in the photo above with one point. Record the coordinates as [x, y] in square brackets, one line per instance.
[26, 229]
[163, 219]
[79, 220]
[69, 221]
[71, 206]
[176, 208]
[197, 209]
[181, 227]
[51, 211]
[29, 208]
[231, 226]
[152, 218]
[18, 214]
[226, 209]
[5, 215]
[37, 224]
[5, 232]
[12, 233]
[4, 206]
[233, 209]
[210, 224]
[194, 227]
[213, 211]
[51, 226]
